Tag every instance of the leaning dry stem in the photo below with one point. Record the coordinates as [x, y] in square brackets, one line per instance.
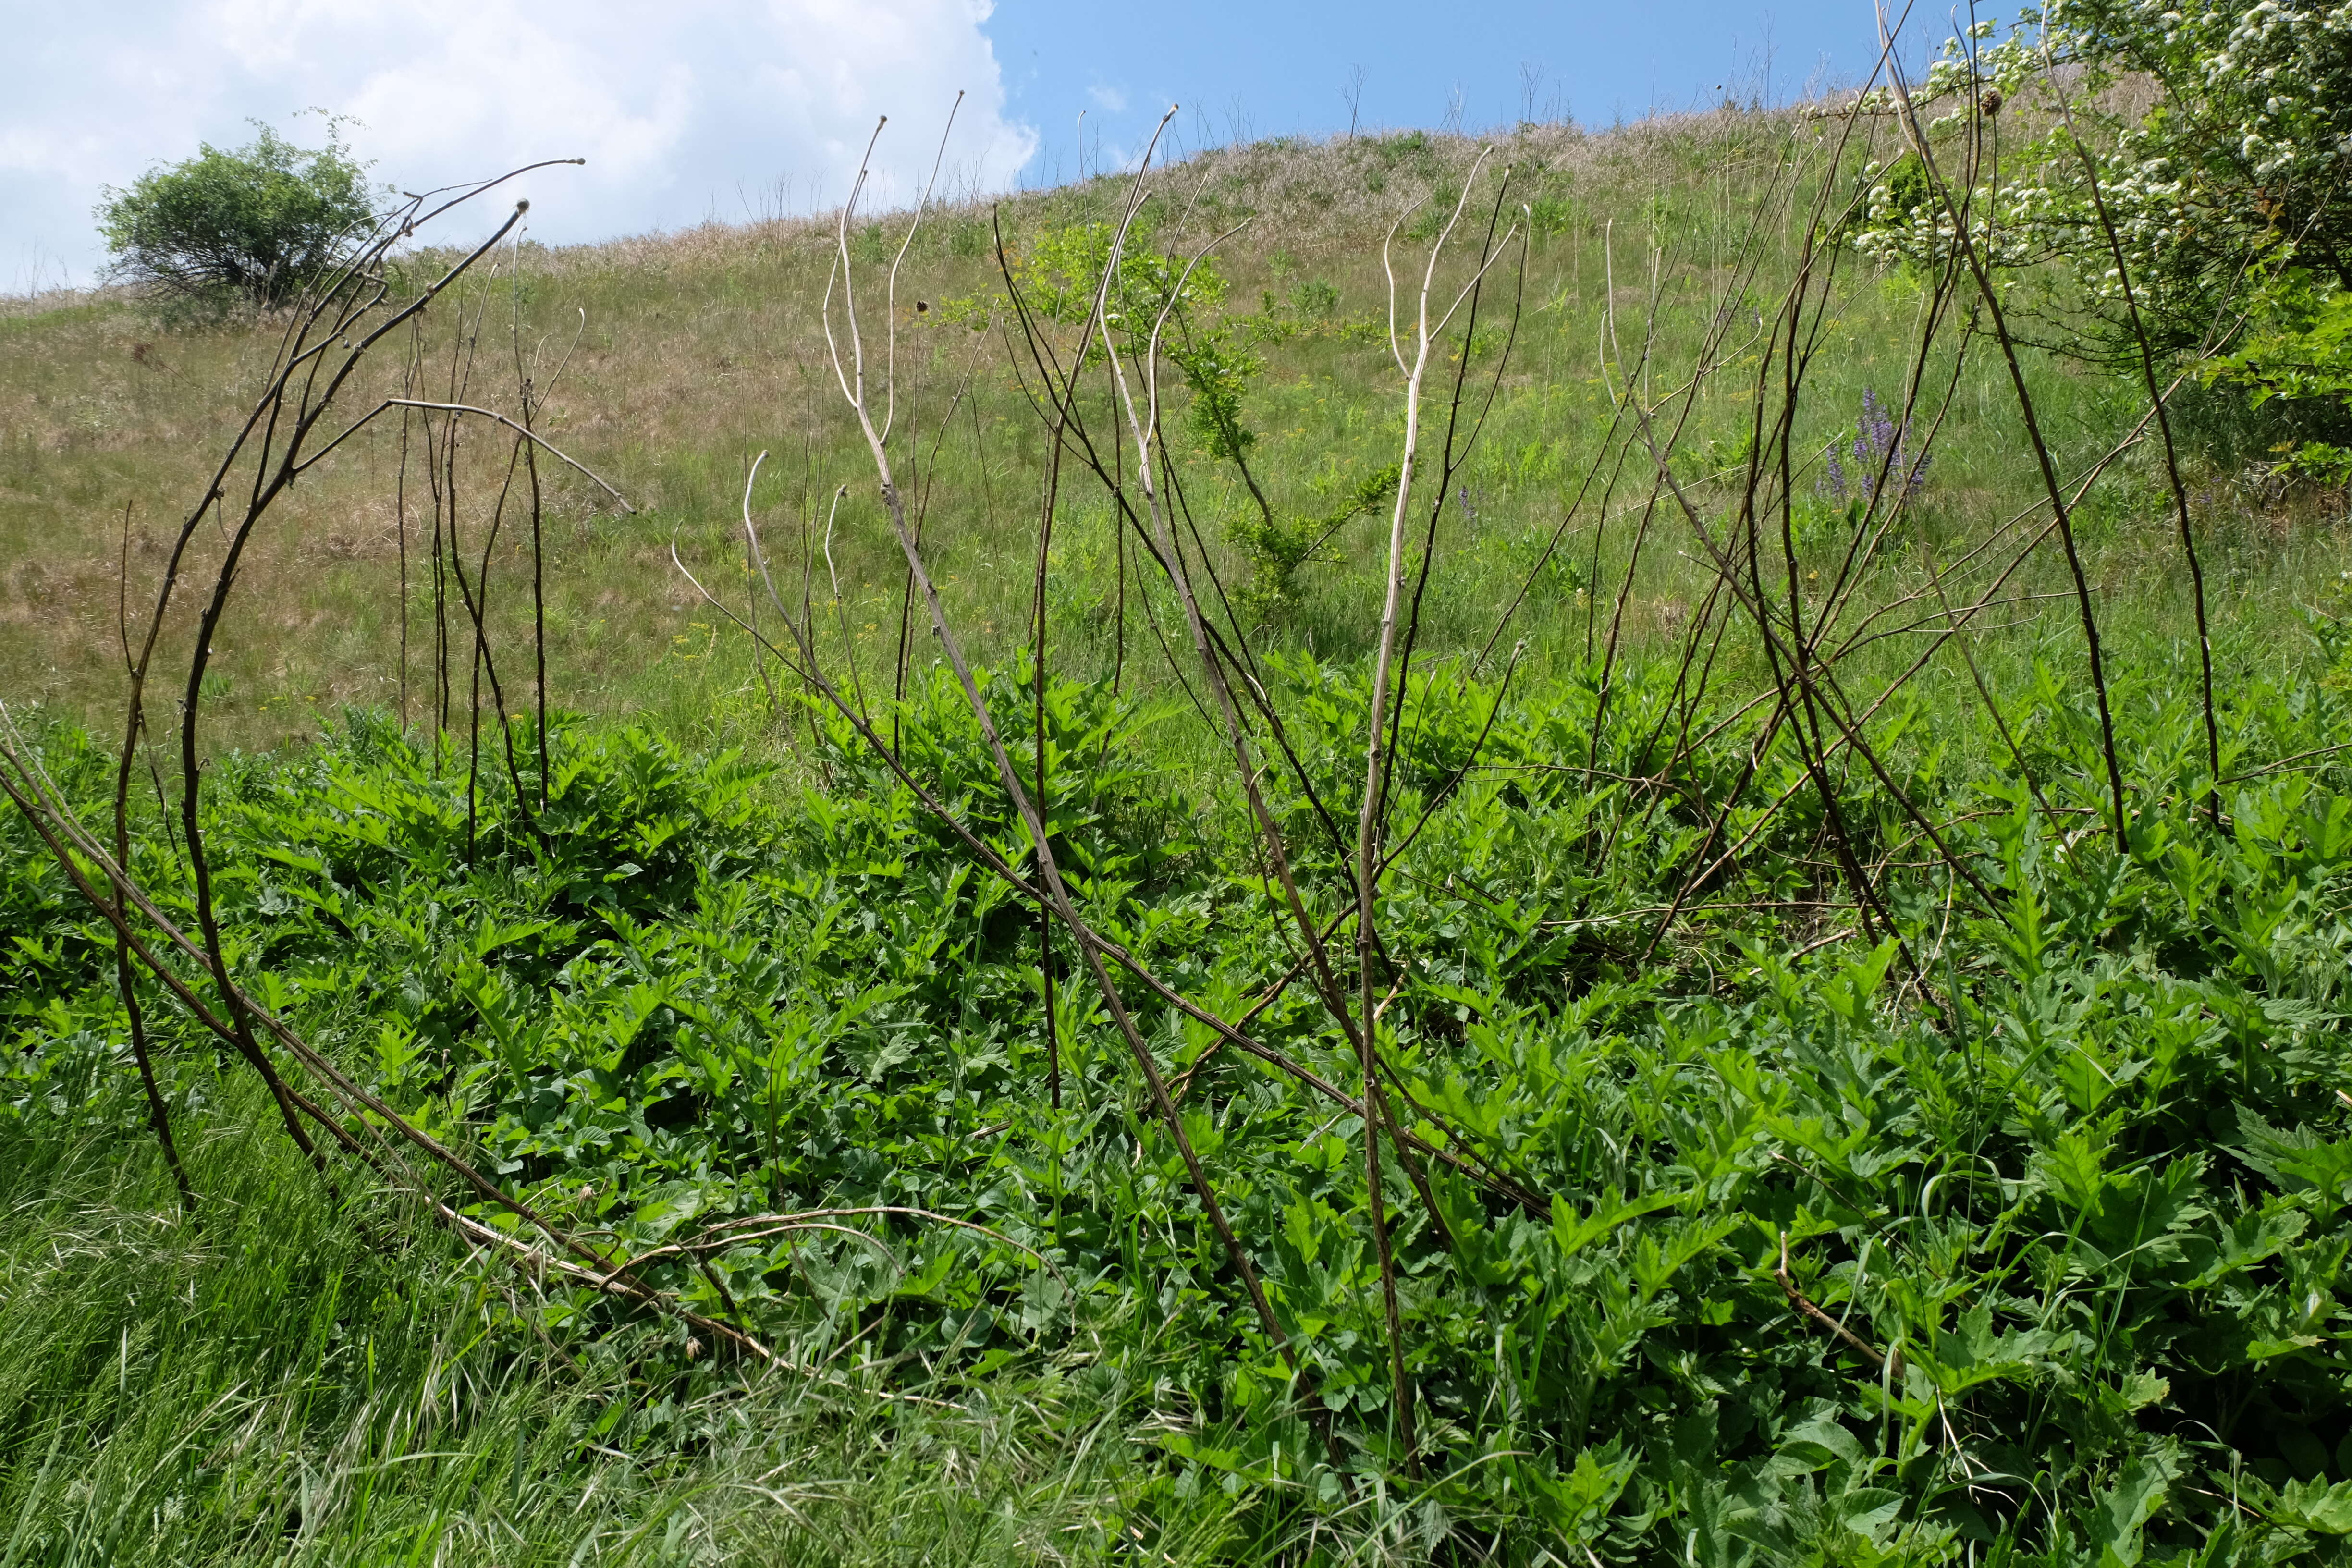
[802, 661]
[1964, 240]
[2158, 399]
[329, 336]
[70, 845]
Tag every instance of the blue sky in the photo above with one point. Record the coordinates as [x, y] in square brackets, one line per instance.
[687, 110]
[1282, 68]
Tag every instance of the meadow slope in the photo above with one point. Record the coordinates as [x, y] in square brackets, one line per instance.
[1715, 1033]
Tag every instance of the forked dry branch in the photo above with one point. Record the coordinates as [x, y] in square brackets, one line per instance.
[1146, 495]
[854, 389]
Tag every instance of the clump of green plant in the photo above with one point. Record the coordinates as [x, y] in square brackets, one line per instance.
[1278, 547]
[1219, 370]
[1060, 271]
[257, 223]
[2301, 358]
[1553, 214]
[1309, 305]
[1553, 564]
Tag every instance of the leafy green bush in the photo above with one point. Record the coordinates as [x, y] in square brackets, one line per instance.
[258, 223]
[1277, 546]
[2301, 356]
[1061, 270]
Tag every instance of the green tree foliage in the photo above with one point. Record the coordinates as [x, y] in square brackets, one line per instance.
[256, 222]
[1277, 546]
[1058, 279]
[1062, 271]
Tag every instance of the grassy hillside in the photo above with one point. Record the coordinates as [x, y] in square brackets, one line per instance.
[686, 356]
[1817, 1070]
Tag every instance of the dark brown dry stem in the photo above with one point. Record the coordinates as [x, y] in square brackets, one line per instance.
[1847, 1336]
[1990, 299]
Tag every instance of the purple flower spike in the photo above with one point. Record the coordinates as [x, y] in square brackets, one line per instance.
[1879, 448]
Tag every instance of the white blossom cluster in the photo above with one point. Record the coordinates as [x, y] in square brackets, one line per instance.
[2247, 149]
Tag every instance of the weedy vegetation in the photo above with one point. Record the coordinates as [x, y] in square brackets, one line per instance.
[1580, 849]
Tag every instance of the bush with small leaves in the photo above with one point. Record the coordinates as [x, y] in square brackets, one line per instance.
[255, 223]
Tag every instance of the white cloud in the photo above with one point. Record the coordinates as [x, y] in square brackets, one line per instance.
[685, 110]
[1109, 98]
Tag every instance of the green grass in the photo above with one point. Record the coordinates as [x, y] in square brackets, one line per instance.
[2053, 1133]
[293, 1381]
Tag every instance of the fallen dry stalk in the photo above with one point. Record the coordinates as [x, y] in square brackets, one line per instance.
[1803, 1304]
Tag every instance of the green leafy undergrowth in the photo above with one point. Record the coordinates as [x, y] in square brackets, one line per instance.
[1769, 1234]
[291, 1379]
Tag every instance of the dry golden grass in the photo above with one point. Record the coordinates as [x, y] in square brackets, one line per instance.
[698, 350]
